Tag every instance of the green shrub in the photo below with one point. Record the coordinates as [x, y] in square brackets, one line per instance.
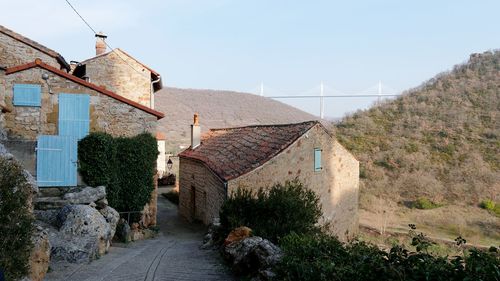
[16, 220]
[273, 213]
[491, 206]
[126, 166]
[96, 155]
[172, 196]
[425, 204]
[323, 257]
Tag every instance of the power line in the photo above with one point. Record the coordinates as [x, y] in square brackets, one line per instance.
[81, 17]
[332, 96]
[112, 49]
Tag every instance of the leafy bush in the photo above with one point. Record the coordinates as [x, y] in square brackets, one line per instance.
[96, 154]
[323, 257]
[273, 213]
[491, 206]
[126, 166]
[424, 203]
[16, 220]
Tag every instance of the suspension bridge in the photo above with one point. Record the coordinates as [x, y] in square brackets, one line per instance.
[323, 92]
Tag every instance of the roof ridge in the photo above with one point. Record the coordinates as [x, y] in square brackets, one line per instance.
[265, 125]
[39, 63]
[125, 53]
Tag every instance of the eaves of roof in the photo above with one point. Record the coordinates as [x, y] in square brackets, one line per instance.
[39, 63]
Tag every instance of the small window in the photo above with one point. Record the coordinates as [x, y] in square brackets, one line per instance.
[27, 95]
[317, 160]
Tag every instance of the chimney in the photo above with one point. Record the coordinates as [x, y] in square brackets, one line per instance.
[195, 132]
[100, 45]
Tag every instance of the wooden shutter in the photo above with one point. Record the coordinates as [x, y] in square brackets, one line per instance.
[27, 95]
[74, 115]
[317, 160]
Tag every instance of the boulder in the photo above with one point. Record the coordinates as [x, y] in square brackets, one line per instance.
[72, 249]
[40, 255]
[101, 204]
[46, 216]
[213, 229]
[267, 254]
[253, 255]
[123, 231]
[111, 216]
[238, 234]
[85, 195]
[83, 221]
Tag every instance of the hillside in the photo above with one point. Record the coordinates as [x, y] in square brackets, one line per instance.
[439, 141]
[217, 109]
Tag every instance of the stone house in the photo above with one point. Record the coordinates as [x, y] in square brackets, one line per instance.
[16, 49]
[45, 110]
[223, 160]
[119, 72]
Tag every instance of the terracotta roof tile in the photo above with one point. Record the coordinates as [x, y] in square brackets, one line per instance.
[232, 152]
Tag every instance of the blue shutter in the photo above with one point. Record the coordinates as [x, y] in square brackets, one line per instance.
[56, 161]
[27, 95]
[317, 160]
[74, 115]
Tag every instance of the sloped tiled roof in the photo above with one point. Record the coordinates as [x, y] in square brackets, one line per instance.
[232, 152]
[35, 45]
[39, 63]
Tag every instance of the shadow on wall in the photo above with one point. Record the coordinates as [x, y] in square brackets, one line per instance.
[24, 151]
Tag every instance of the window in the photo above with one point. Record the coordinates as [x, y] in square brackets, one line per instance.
[317, 159]
[27, 95]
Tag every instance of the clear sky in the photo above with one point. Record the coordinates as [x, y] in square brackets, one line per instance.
[291, 46]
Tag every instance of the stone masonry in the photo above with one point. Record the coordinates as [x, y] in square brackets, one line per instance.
[14, 52]
[106, 113]
[113, 71]
[208, 190]
[337, 184]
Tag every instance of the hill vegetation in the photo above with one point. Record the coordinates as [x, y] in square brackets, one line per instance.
[438, 142]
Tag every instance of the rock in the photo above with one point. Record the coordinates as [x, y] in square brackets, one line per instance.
[208, 241]
[253, 255]
[49, 203]
[82, 221]
[86, 195]
[40, 255]
[112, 217]
[46, 216]
[141, 234]
[123, 231]
[135, 226]
[238, 234]
[101, 204]
[239, 254]
[72, 249]
[213, 230]
[92, 204]
[267, 254]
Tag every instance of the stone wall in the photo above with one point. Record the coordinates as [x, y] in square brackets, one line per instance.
[14, 52]
[106, 114]
[336, 184]
[116, 75]
[208, 189]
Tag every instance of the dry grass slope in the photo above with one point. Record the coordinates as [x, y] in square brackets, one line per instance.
[218, 109]
[439, 141]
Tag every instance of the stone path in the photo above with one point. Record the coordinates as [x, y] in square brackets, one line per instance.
[173, 255]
